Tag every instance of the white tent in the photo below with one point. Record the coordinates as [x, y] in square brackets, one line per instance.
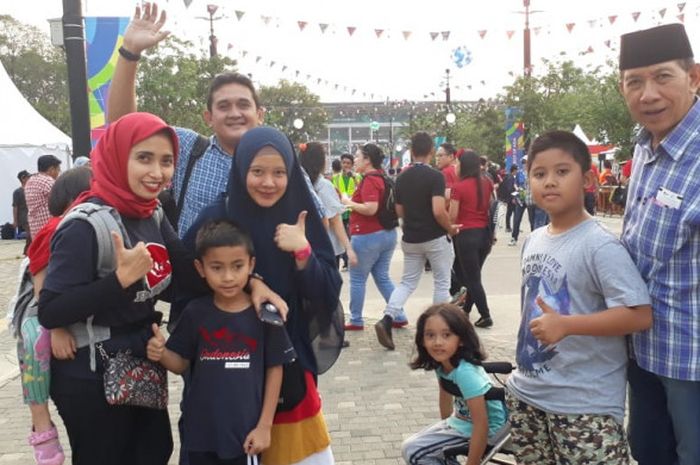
[578, 132]
[25, 135]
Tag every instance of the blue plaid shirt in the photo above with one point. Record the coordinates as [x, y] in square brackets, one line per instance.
[209, 178]
[664, 242]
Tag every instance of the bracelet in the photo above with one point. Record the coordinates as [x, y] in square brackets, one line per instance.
[127, 55]
[304, 253]
[253, 275]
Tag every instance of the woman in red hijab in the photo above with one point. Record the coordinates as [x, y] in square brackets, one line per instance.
[133, 161]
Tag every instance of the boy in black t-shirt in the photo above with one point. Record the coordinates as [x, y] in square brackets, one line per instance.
[235, 359]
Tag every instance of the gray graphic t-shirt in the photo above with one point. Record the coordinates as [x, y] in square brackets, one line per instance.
[581, 271]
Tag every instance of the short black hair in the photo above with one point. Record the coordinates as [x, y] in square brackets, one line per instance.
[607, 164]
[449, 148]
[513, 167]
[335, 165]
[221, 233]
[223, 79]
[374, 153]
[23, 174]
[313, 159]
[46, 162]
[565, 141]
[68, 186]
[421, 144]
[347, 156]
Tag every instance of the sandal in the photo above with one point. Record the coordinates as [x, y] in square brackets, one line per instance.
[47, 448]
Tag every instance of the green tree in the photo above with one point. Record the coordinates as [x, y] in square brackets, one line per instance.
[289, 101]
[37, 68]
[173, 82]
[481, 127]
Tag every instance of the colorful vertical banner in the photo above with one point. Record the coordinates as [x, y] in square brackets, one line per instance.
[515, 138]
[103, 36]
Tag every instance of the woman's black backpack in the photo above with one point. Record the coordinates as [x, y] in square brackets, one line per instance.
[386, 214]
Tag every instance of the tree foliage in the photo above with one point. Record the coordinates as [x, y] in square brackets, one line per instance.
[567, 95]
[288, 101]
[173, 82]
[37, 68]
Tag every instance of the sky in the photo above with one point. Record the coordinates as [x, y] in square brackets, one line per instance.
[391, 55]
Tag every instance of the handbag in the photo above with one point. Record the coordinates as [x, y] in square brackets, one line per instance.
[134, 381]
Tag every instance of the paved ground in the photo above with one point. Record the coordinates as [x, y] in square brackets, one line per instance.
[372, 400]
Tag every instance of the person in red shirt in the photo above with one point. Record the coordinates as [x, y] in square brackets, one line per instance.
[446, 163]
[591, 193]
[469, 207]
[373, 245]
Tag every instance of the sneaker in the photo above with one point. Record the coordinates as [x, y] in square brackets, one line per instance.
[512, 243]
[459, 297]
[383, 330]
[352, 327]
[484, 322]
[47, 448]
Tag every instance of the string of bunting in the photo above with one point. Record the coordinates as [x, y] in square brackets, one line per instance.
[383, 32]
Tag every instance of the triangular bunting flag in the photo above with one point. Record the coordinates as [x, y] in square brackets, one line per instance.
[570, 26]
[589, 49]
[239, 14]
[229, 46]
[612, 18]
[308, 76]
[662, 12]
[510, 34]
[483, 83]
[635, 16]
[335, 87]
[681, 17]
[537, 30]
[318, 80]
[433, 35]
[353, 91]
[445, 35]
[591, 23]
[265, 19]
[482, 33]
[244, 53]
[511, 73]
[258, 58]
[302, 25]
[272, 63]
[296, 73]
[323, 27]
[406, 35]
[351, 30]
[188, 3]
[681, 6]
[469, 87]
[378, 32]
[284, 68]
[607, 43]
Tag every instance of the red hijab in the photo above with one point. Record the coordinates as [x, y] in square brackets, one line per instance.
[110, 157]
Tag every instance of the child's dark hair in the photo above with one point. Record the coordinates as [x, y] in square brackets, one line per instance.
[313, 160]
[562, 140]
[221, 233]
[67, 188]
[470, 348]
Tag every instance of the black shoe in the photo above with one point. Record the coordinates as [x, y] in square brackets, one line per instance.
[345, 344]
[482, 322]
[383, 330]
[509, 230]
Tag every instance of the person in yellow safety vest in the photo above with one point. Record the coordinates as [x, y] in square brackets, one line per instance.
[346, 182]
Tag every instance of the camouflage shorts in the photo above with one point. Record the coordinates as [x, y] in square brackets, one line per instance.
[543, 438]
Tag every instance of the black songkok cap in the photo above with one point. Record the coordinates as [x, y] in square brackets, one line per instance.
[653, 46]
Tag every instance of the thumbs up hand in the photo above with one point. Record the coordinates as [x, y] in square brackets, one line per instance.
[132, 264]
[156, 345]
[292, 237]
[550, 327]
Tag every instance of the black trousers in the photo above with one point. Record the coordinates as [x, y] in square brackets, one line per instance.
[210, 458]
[103, 434]
[472, 247]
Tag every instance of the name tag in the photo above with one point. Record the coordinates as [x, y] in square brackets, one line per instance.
[237, 365]
[668, 199]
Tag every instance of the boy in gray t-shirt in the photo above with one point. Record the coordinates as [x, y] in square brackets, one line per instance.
[581, 294]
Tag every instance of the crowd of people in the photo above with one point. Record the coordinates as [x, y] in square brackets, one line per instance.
[249, 254]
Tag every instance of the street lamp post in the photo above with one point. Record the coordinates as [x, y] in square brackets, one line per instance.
[527, 65]
[212, 38]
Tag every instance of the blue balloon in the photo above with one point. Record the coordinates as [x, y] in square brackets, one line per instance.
[461, 56]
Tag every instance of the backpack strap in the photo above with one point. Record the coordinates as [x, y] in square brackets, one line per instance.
[198, 148]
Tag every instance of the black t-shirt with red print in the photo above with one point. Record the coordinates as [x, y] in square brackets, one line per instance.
[228, 354]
